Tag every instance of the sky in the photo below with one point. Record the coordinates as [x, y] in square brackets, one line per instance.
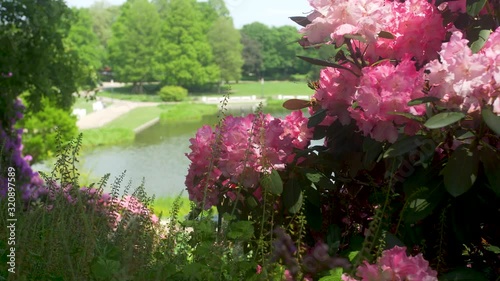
[269, 12]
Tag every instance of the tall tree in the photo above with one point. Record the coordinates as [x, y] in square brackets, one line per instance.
[83, 41]
[226, 48]
[252, 56]
[185, 53]
[33, 59]
[103, 16]
[132, 48]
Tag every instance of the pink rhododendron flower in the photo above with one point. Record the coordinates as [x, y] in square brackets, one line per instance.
[384, 89]
[463, 80]
[395, 264]
[417, 26]
[248, 147]
[336, 18]
[336, 92]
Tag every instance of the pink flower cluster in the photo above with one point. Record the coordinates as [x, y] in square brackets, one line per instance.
[247, 147]
[467, 81]
[381, 90]
[394, 264]
[416, 25]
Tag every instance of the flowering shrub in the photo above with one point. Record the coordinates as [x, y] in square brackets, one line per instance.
[28, 182]
[394, 264]
[407, 108]
[246, 148]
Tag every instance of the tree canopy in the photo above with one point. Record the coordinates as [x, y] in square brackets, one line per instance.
[185, 54]
[133, 45]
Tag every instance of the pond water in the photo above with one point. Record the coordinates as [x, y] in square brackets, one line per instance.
[157, 155]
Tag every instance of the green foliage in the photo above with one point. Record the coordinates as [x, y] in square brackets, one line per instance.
[173, 93]
[103, 16]
[33, 48]
[134, 43]
[184, 53]
[42, 127]
[107, 136]
[226, 49]
[83, 41]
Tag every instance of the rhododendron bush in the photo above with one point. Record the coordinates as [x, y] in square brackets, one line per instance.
[407, 114]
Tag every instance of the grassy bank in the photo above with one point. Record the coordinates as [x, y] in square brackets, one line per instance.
[121, 130]
[188, 112]
[165, 206]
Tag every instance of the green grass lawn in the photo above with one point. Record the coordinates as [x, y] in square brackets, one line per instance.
[164, 206]
[138, 117]
[270, 89]
[186, 112]
[129, 96]
[121, 130]
[83, 103]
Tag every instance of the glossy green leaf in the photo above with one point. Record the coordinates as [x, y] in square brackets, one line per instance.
[492, 120]
[272, 182]
[491, 164]
[463, 274]
[405, 145]
[422, 100]
[423, 203]
[314, 177]
[292, 196]
[494, 249]
[443, 119]
[481, 40]
[408, 115]
[317, 118]
[461, 170]
[372, 150]
[474, 7]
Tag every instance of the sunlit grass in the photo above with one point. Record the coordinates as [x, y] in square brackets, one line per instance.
[138, 117]
[164, 205]
[187, 112]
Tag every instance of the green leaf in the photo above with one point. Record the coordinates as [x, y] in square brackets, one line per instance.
[494, 249]
[408, 115]
[314, 177]
[461, 171]
[443, 119]
[491, 164]
[479, 43]
[423, 203]
[296, 104]
[272, 182]
[357, 37]
[372, 150]
[333, 275]
[241, 230]
[492, 120]
[386, 35]
[317, 118]
[463, 274]
[251, 202]
[422, 100]
[321, 62]
[405, 145]
[474, 7]
[292, 196]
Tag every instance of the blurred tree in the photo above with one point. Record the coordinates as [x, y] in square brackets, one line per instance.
[252, 56]
[226, 48]
[133, 45]
[42, 128]
[185, 53]
[83, 41]
[103, 16]
[33, 56]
